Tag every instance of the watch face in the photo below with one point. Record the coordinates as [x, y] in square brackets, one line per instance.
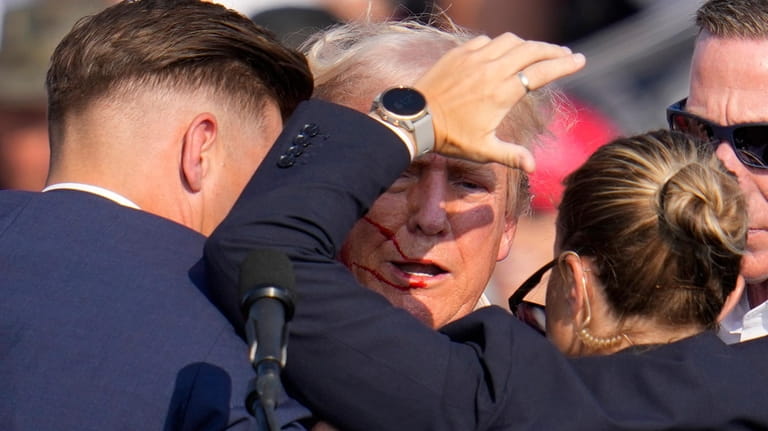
[403, 101]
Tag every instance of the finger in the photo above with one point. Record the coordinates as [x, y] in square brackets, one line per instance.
[493, 150]
[508, 154]
[499, 46]
[528, 53]
[513, 88]
[524, 56]
[539, 74]
[544, 72]
[476, 43]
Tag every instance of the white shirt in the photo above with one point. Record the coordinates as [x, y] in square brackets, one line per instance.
[482, 302]
[96, 190]
[743, 323]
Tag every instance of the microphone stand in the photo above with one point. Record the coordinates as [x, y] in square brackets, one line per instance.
[262, 395]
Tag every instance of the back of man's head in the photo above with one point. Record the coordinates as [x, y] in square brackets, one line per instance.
[167, 45]
[171, 104]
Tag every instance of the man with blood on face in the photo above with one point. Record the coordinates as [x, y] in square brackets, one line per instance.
[431, 242]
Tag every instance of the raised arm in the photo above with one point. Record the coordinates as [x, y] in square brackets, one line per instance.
[362, 364]
[473, 87]
[353, 358]
[344, 333]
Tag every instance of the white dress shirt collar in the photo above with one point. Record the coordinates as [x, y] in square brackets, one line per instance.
[743, 323]
[96, 190]
[482, 302]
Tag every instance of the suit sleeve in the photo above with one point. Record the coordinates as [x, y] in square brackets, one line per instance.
[352, 358]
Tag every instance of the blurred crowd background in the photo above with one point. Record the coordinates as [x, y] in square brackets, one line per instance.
[638, 54]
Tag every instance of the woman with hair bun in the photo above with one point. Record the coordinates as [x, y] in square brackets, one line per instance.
[650, 234]
[650, 237]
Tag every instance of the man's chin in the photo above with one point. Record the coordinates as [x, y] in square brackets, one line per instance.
[754, 267]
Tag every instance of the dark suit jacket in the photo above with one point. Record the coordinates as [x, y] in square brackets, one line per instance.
[365, 365]
[105, 323]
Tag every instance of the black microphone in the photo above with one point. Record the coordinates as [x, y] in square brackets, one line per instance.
[266, 287]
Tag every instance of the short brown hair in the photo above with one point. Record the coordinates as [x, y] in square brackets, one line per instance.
[734, 18]
[176, 44]
[665, 222]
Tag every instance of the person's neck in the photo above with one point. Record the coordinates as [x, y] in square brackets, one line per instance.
[757, 293]
[70, 173]
[151, 194]
[642, 332]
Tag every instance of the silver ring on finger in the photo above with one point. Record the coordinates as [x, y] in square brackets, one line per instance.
[524, 80]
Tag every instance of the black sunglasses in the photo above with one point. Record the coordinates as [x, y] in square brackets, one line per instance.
[529, 312]
[749, 140]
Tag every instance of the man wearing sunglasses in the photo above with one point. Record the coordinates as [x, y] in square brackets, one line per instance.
[728, 105]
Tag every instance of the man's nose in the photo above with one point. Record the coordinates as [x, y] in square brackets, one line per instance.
[727, 155]
[427, 203]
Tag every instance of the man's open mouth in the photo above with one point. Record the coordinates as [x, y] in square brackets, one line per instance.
[419, 269]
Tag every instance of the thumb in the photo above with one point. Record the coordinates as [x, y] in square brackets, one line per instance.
[508, 154]
[490, 149]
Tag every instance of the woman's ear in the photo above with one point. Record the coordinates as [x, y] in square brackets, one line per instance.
[575, 280]
[732, 299]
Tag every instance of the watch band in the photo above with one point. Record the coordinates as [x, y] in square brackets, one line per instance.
[424, 132]
[405, 136]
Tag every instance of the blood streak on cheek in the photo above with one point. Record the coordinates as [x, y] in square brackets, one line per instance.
[388, 234]
[385, 281]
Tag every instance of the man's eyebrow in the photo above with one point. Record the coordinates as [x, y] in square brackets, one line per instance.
[463, 167]
[458, 167]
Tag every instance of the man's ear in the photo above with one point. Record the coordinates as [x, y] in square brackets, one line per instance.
[507, 236]
[198, 138]
[733, 299]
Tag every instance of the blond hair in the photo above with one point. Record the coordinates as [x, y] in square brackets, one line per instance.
[665, 222]
[351, 61]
